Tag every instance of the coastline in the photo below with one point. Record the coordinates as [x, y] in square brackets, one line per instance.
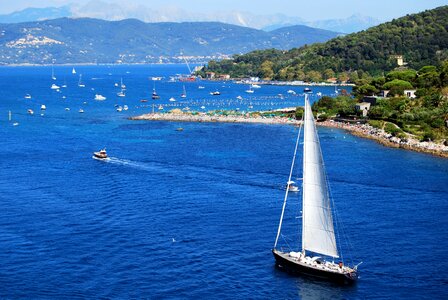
[360, 130]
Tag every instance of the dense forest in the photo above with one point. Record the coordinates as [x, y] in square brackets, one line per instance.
[421, 38]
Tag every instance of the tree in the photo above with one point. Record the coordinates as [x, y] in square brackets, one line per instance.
[365, 90]
[266, 70]
[328, 73]
[343, 77]
[314, 76]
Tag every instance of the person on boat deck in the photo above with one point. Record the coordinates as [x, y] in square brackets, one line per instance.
[340, 264]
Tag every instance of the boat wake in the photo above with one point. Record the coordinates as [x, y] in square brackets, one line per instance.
[129, 163]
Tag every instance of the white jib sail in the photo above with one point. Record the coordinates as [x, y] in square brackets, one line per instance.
[318, 229]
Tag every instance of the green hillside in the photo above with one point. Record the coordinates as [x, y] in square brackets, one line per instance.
[421, 38]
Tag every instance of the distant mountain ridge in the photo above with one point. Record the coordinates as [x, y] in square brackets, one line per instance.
[420, 39]
[85, 40]
[115, 11]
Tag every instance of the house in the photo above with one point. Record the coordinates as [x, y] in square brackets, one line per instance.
[224, 77]
[210, 75]
[383, 93]
[410, 94]
[370, 99]
[363, 107]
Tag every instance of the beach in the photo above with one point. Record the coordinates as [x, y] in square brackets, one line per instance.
[360, 130]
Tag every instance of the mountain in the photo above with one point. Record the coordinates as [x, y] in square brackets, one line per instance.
[422, 39]
[36, 14]
[118, 11]
[87, 40]
[305, 34]
[351, 24]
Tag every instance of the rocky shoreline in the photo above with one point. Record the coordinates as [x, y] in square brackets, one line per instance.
[361, 130]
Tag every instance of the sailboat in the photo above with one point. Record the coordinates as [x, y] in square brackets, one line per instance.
[318, 231]
[80, 84]
[73, 70]
[52, 73]
[184, 93]
[154, 93]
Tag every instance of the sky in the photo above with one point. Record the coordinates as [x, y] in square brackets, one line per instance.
[382, 10]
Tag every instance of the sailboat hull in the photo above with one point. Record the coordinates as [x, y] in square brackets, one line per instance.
[289, 264]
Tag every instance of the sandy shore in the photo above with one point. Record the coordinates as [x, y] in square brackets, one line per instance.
[361, 130]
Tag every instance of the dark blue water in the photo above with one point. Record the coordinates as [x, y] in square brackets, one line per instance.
[193, 214]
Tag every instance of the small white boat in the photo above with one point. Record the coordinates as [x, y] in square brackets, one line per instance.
[119, 108]
[172, 99]
[67, 108]
[99, 97]
[291, 92]
[203, 107]
[319, 94]
[250, 90]
[125, 107]
[307, 90]
[27, 96]
[215, 93]
[291, 187]
[43, 107]
[81, 111]
[73, 71]
[30, 112]
[101, 155]
[122, 85]
[239, 97]
[121, 94]
[55, 87]
[255, 86]
[116, 84]
[201, 87]
[160, 107]
[156, 78]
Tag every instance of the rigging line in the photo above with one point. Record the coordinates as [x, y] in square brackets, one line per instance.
[287, 185]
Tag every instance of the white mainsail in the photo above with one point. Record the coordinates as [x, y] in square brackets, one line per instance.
[318, 229]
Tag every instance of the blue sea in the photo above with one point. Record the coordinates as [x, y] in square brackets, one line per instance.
[193, 214]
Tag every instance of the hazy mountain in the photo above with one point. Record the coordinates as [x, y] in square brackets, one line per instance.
[352, 24]
[36, 14]
[85, 40]
[118, 11]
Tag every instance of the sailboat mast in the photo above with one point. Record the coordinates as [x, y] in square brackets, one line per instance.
[305, 118]
[317, 221]
[287, 188]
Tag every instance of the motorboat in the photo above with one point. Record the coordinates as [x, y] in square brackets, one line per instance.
[30, 111]
[27, 96]
[43, 107]
[55, 87]
[307, 90]
[215, 93]
[172, 99]
[100, 154]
